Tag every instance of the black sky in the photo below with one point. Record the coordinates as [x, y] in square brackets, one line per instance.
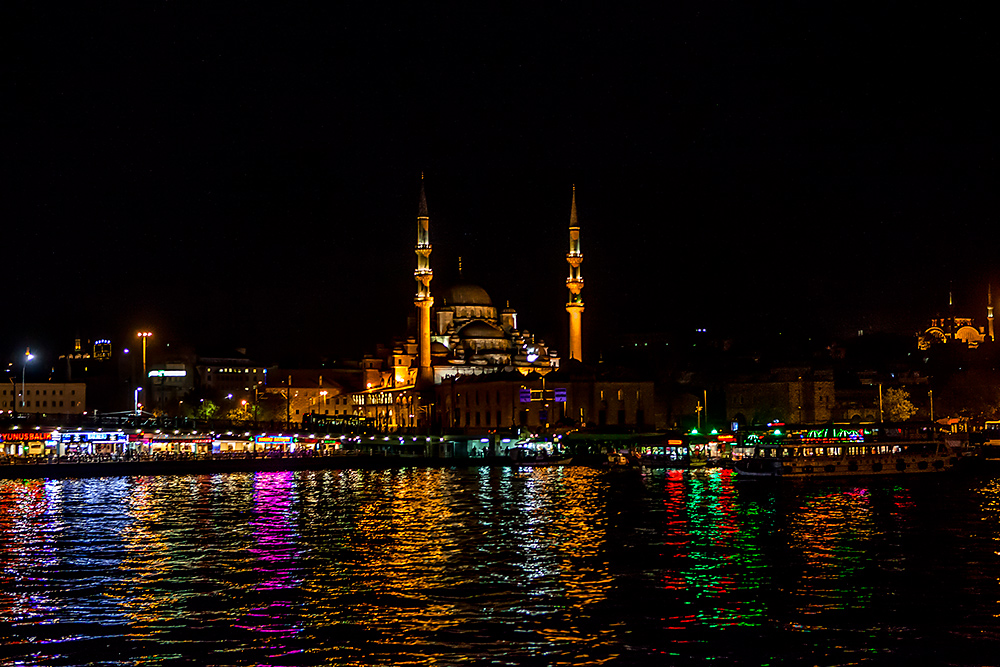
[247, 175]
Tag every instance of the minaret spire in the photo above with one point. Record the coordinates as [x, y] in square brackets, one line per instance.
[989, 308]
[423, 299]
[575, 284]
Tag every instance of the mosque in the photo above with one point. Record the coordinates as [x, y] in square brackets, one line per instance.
[459, 332]
[958, 329]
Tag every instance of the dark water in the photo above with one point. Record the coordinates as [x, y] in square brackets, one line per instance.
[557, 566]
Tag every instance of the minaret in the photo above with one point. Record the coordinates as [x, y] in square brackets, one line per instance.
[950, 327]
[989, 309]
[575, 285]
[423, 299]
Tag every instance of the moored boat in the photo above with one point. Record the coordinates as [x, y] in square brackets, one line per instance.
[847, 450]
[533, 453]
[669, 450]
[623, 459]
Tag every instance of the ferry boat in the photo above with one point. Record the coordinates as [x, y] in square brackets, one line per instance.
[845, 450]
[672, 450]
[532, 453]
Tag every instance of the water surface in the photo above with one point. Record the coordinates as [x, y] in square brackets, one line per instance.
[549, 566]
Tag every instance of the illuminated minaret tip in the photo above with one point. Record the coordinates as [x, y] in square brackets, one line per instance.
[575, 284]
[989, 308]
[423, 299]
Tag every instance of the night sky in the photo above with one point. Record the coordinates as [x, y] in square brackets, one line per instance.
[247, 176]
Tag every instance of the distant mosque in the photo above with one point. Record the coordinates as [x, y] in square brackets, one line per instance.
[460, 331]
[958, 329]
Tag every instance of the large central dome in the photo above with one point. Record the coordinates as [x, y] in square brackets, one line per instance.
[466, 295]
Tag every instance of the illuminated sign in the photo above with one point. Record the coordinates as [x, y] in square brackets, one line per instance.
[24, 436]
[93, 436]
[275, 439]
[835, 435]
[525, 395]
[182, 441]
[167, 374]
[560, 394]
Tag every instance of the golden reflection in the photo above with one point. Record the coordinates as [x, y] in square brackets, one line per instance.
[990, 508]
[831, 533]
[145, 552]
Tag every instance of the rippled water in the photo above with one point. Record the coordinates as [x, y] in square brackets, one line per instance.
[554, 566]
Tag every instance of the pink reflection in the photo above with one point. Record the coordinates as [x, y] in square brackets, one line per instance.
[276, 555]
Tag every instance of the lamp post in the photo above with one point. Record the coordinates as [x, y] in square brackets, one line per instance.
[144, 335]
[28, 356]
[137, 390]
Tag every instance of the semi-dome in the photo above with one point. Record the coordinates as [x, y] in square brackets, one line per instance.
[466, 295]
[480, 329]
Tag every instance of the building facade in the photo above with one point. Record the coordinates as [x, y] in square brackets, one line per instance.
[54, 398]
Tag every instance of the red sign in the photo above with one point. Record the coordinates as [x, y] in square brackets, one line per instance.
[25, 436]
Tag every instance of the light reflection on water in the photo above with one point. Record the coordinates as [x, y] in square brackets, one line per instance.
[501, 565]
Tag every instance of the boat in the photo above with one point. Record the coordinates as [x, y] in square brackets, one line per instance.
[623, 459]
[534, 454]
[845, 451]
[673, 450]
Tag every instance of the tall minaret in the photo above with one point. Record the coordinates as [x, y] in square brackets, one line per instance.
[989, 309]
[575, 285]
[423, 299]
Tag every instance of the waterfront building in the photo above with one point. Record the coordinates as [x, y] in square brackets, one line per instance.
[51, 398]
[314, 391]
[573, 397]
[791, 395]
[167, 384]
[230, 374]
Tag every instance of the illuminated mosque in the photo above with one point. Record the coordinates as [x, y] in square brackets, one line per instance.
[460, 332]
[958, 329]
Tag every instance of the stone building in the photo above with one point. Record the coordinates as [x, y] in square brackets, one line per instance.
[790, 395]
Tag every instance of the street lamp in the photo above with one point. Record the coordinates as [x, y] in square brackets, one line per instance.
[144, 335]
[137, 390]
[28, 356]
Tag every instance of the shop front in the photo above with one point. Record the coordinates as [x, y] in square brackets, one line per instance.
[27, 443]
[92, 443]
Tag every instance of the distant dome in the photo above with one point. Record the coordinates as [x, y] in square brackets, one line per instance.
[438, 348]
[467, 295]
[480, 329]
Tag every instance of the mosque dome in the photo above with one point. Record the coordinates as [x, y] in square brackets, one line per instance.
[439, 349]
[467, 295]
[480, 329]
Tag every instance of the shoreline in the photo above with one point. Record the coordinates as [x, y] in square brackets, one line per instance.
[69, 470]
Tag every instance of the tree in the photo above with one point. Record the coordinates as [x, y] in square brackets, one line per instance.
[974, 394]
[896, 405]
[272, 406]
